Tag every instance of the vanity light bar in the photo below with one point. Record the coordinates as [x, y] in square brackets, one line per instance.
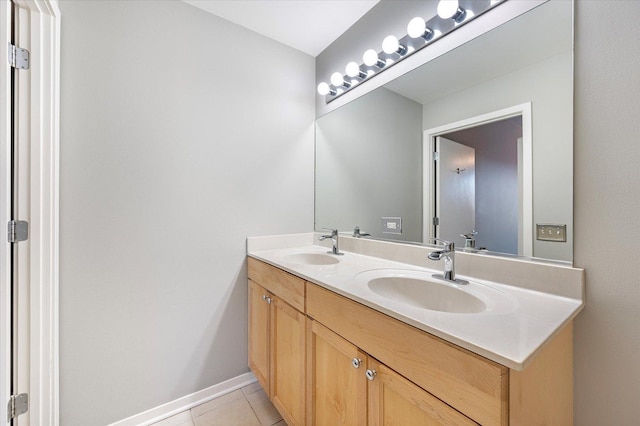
[452, 14]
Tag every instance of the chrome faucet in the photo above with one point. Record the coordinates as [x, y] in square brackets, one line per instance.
[448, 254]
[470, 239]
[357, 234]
[334, 240]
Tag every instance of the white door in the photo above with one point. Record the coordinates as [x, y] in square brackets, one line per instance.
[16, 207]
[29, 127]
[5, 211]
[455, 194]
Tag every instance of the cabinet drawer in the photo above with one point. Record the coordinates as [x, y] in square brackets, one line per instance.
[468, 382]
[288, 287]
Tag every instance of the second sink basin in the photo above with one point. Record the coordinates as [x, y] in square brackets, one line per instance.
[432, 295]
[420, 289]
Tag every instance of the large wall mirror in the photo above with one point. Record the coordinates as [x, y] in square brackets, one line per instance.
[479, 139]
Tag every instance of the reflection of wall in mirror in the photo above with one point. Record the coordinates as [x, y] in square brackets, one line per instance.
[369, 166]
[548, 86]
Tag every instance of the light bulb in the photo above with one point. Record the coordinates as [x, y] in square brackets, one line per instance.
[337, 79]
[390, 45]
[447, 8]
[416, 27]
[370, 58]
[324, 89]
[353, 69]
[451, 9]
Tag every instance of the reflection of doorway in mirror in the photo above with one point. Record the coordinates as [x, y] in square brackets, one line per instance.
[455, 189]
[502, 182]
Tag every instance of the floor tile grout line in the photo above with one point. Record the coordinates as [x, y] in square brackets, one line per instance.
[252, 409]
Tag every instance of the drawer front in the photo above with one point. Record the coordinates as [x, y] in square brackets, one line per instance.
[471, 384]
[288, 287]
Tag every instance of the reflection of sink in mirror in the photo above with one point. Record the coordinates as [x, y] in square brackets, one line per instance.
[427, 294]
[318, 259]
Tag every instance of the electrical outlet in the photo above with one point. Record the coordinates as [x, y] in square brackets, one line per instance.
[392, 225]
[551, 232]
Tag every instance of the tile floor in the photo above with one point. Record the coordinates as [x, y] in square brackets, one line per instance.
[248, 406]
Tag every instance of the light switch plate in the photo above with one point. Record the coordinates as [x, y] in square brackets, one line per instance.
[392, 225]
[551, 232]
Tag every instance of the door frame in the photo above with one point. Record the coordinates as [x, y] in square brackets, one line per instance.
[428, 184]
[42, 39]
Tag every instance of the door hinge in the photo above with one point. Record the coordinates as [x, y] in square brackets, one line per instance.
[18, 57]
[436, 156]
[18, 404]
[436, 221]
[17, 230]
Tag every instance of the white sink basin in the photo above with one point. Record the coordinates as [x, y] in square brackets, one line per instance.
[432, 295]
[318, 259]
[415, 288]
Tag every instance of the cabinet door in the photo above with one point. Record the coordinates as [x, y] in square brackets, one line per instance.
[395, 401]
[259, 333]
[287, 374]
[338, 385]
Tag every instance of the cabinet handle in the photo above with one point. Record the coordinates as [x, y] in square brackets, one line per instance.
[356, 362]
[371, 374]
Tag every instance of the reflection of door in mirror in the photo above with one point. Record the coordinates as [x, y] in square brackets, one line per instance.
[455, 189]
[497, 182]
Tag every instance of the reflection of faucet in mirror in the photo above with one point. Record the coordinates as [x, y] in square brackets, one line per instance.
[357, 234]
[470, 242]
[470, 239]
[334, 240]
[448, 254]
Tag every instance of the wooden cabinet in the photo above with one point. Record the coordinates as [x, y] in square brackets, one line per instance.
[471, 384]
[337, 386]
[349, 387]
[277, 338]
[394, 400]
[310, 348]
[259, 320]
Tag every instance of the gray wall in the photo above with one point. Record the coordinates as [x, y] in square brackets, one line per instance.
[545, 85]
[496, 182]
[607, 202]
[181, 135]
[369, 165]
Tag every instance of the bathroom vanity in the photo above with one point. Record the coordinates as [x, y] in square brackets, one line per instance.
[330, 347]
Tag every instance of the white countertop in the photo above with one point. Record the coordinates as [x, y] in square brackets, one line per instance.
[510, 332]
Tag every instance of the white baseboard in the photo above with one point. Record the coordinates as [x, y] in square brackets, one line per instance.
[187, 402]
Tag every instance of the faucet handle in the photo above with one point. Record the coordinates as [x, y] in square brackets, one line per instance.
[447, 245]
[470, 235]
[334, 232]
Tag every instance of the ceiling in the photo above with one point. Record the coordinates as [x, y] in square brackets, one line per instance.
[539, 34]
[306, 25]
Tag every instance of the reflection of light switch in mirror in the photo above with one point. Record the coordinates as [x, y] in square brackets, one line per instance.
[549, 232]
[392, 225]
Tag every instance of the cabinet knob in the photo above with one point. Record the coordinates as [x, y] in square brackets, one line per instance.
[268, 300]
[356, 362]
[264, 297]
[371, 374]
